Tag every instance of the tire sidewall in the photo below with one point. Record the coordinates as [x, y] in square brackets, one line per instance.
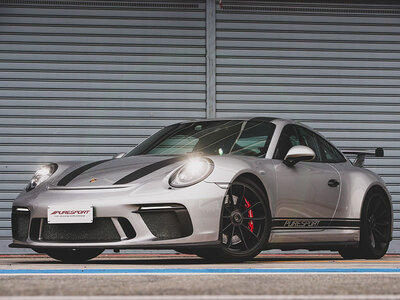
[365, 241]
[226, 254]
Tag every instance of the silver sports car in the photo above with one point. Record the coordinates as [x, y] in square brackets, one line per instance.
[222, 189]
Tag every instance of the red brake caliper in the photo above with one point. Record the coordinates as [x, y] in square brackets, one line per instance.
[250, 224]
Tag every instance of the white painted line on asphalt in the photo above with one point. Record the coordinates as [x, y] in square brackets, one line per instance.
[210, 297]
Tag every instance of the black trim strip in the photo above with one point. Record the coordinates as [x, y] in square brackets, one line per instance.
[313, 228]
[290, 218]
[341, 223]
[71, 176]
[148, 169]
[315, 223]
[262, 119]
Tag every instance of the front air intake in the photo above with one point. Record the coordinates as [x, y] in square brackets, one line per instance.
[101, 230]
[171, 223]
[127, 228]
[20, 223]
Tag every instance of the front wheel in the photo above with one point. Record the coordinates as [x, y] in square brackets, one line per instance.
[245, 224]
[375, 229]
[73, 255]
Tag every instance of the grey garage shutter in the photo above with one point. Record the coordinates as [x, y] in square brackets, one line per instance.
[81, 80]
[335, 66]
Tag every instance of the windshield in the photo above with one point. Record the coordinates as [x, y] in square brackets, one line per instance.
[238, 137]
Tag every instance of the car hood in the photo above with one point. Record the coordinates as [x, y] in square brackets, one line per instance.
[116, 172]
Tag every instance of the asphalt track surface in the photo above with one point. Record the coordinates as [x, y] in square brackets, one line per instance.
[178, 277]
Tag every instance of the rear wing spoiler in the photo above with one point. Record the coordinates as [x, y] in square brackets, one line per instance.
[359, 161]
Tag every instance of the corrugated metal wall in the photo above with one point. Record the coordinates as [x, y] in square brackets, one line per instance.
[336, 67]
[81, 80]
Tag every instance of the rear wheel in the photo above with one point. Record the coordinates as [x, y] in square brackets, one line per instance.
[245, 224]
[73, 255]
[375, 229]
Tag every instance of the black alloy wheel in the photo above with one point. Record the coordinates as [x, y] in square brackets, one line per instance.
[245, 223]
[376, 226]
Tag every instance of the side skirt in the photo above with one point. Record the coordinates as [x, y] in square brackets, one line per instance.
[332, 246]
[313, 233]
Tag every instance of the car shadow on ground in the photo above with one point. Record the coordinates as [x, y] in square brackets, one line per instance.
[180, 260]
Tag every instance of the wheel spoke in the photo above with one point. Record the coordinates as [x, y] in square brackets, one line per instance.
[227, 209]
[249, 231]
[251, 207]
[240, 201]
[382, 224]
[379, 234]
[372, 238]
[381, 214]
[253, 219]
[226, 227]
[243, 239]
[230, 240]
[230, 200]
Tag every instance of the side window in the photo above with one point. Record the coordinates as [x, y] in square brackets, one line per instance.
[329, 153]
[309, 139]
[287, 140]
[254, 139]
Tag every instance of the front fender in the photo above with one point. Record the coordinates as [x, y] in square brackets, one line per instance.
[228, 168]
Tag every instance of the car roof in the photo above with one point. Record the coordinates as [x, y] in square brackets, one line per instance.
[260, 119]
[276, 121]
[265, 119]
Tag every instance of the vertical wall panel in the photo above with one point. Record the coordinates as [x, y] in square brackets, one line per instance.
[334, 66]
[82, 80]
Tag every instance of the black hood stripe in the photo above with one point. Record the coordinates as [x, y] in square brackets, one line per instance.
[149, 169]
[71, 176]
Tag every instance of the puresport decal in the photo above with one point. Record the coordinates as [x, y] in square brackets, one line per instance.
[314, 223]
[70, 212]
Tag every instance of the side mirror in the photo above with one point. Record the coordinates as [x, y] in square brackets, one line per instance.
[119, 155]
[298, 153]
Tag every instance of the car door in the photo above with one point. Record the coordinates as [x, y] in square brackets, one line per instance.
[307, 190]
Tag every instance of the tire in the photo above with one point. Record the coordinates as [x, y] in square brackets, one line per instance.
[350, 253]
[73, 255]
[245, 224]
[375, 228]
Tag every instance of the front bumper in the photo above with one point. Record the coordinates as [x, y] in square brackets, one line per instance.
[202, 202]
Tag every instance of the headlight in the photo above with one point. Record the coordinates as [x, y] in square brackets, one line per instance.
[41, 175]
[195, 170]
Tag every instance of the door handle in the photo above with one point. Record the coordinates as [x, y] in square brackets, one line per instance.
[333, 183]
